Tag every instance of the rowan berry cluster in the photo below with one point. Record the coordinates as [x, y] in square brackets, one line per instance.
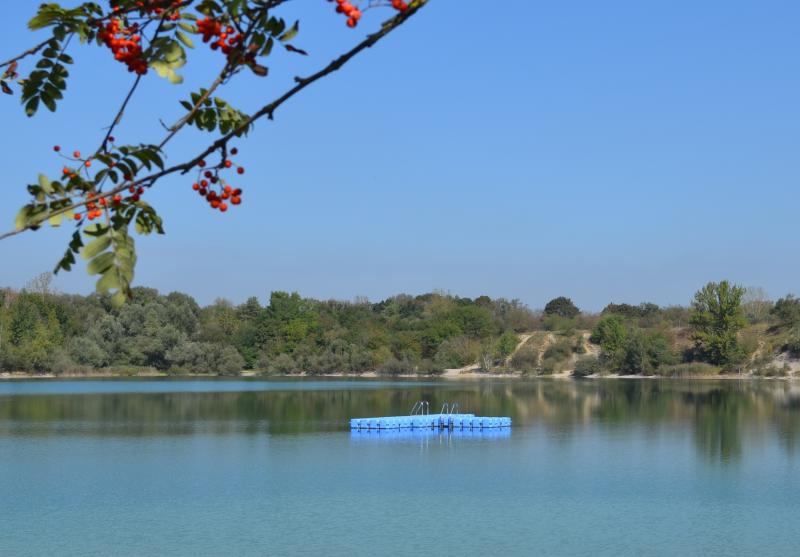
[399, 5]
[125, 43]
[225, 37]
[159, 7]
[352, 12]
[96, 202]
[216, 191]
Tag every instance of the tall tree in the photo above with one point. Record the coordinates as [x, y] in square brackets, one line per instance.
[717, 317]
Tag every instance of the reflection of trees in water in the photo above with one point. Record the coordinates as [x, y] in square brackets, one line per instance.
[721, 413]
[718, 422]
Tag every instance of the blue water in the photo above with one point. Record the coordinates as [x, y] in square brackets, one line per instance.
[270, 468]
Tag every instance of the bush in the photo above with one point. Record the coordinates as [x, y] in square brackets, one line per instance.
[772, 371]
[429, 367]
[526, 360]
[558, 351]
[229, 361]
[578, 345]
[506, 344]
[283, 364]
[559, 324]
[688, 370]
[394, 366]
[793, 343]
[587, 365]
[457, 352]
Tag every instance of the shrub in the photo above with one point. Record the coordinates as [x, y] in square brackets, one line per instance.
[559, 324]
[394, 366]
[506, 345]
[577, 344]
[525, 360]
[283, 364]
[558, 351]
[550, 366]
[587, 365]
[772, 371]
[457, 352]
[688, 370]
[429, 367]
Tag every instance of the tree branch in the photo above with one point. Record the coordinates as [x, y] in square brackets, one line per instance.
[267, 110]
[30, 51]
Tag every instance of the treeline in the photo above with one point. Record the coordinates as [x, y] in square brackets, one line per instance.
[726, 328]
[42, 331]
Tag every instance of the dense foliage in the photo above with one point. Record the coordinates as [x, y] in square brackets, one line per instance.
[46, 332]
[42, 331]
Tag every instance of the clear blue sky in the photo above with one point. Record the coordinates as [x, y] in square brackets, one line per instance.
[607, 151]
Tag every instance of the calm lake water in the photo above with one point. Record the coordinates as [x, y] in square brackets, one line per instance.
[640, 467]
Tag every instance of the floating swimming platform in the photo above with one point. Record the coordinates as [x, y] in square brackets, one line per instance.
[421, 418]
[426, 435]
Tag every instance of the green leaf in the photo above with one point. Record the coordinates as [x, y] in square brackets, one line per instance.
[23, 217]
[96, 246]
[32, 106]
[184, 39]
[290, 33]
[55, 220]
[101, 263]
[45, 184]
[48, 102]
[109, 280]
[118, 299]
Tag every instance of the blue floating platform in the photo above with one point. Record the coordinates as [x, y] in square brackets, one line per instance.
[420, 420]
[407, 435]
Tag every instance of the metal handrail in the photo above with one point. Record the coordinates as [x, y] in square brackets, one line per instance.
[420, 407]
[445, 409]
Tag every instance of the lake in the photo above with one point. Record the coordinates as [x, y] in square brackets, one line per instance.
[269, 467]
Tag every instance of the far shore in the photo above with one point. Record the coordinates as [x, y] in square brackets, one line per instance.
[449, 375]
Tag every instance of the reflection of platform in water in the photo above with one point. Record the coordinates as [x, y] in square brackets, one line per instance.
[393, 435]
[420, 418]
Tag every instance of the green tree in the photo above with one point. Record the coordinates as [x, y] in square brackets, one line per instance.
[610, 333]
[716, 319]
[787, 311]
[562, 307]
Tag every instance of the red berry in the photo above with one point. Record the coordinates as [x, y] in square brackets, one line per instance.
[202, 163]
[240, 170]
[223, 207]
[77, 216]
[88, 164]
[76, 154]
[227, 164]
[56, 148]
[195, 186]
[234, 151]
